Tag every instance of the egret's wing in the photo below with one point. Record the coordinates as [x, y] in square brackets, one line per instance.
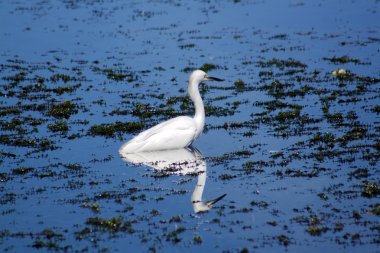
[174, 133]
[180, 123]
[169, 139]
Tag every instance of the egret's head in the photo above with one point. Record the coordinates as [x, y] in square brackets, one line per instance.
[199, 76]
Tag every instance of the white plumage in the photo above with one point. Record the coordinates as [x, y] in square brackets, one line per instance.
[175, 133]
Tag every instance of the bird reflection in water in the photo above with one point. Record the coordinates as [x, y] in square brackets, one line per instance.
[184, 161]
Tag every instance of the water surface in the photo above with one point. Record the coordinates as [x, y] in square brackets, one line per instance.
[291, 140]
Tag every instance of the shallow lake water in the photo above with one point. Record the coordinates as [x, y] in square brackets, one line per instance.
[291, 136]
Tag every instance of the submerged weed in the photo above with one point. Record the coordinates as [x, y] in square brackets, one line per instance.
[59, 126]
[283, 240]
[117, 74]
[4, 177]
[226, 177]
[197, 239]
[20, 141]
[114, 224]
[240, 85]
[315, 230]
[208, 66]
[375, 210]
[342, 60]
[117, 128]
[63, 110]
[370, 190]
[4, 111]
[281, 64]
[22, 170]
[173, 235]
[61, 77]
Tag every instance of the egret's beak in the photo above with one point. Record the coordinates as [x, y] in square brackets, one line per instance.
[210, 78]
[211, 202]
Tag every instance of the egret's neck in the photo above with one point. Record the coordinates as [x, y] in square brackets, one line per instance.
[199, 116]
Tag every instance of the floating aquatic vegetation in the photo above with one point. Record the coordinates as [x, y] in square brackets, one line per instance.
[9, 110]
[64, 89]
[50, 240]
[281, 64]
[375, 210]
[370, 190]
[287, 125]
[261, 204]
[22, 170]
[315, 230]
[240, 85]
[113, 225]
[197, 239]
[186, 46]
[18, 141]
[279, 37]
[59, 126]
[173, 236]
[61, 77]
[62, 110]
[226, 177]
[342, 60]
[207, 67]
[283, 239]
[117, 74]
[117, 128]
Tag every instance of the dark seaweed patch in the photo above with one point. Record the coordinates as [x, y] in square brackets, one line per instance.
[292, 126]
[226, 177]
[117, 128]
[65, 89]
[173, 236]
[22, 170]
[283, 240]
[186, 46]
[281, 64]
[208, 66]
[59, 126]
[315, 230]
[18, 141]
[62, 110]
[279, 37]
[50, 240]
[4, 177]
[117, 74]
[61, 77]
[375, 210]
[279, 90]
[370, 190]
[113, 225]
[240, 85]
[197, 239]
[342, 60]
[4, 111]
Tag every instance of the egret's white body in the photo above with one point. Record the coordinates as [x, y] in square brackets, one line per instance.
[175, 133]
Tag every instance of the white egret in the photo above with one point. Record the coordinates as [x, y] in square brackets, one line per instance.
[175, 133]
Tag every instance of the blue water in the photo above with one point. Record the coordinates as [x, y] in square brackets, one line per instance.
[156, 41]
